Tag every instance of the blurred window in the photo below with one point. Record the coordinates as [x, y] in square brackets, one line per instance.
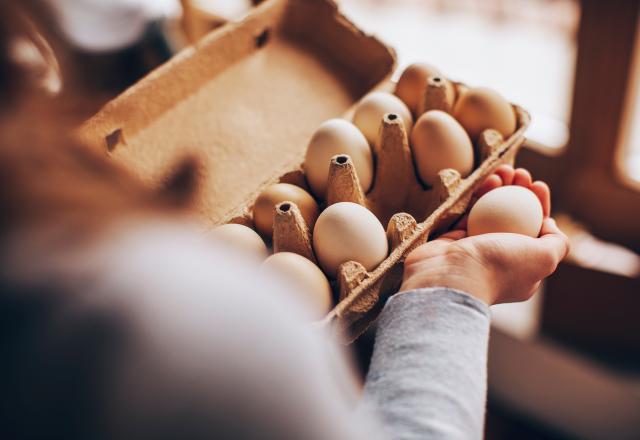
[526, 49]
[629, 160]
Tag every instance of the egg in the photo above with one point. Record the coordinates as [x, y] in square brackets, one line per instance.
[480, 108]
[264, 207]
[347, 231]
[438, 141]
[305, 278]
[412, 84]
[333, 137]
[240, 238]
[372, 108]
[506, 209]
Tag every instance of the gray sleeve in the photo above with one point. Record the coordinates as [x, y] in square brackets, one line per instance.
[428, 373]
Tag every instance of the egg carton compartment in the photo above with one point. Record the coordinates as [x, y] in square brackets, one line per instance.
[411, 211]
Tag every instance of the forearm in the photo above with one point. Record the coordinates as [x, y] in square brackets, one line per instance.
[428, 372]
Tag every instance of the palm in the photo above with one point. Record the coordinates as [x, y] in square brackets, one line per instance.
[507, 254]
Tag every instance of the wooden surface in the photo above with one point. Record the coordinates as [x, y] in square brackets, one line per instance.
[595, 311]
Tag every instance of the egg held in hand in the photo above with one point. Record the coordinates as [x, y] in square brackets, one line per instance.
[481, 108]
[240, 238]
[264, 207]
[346, 231]
[372, 108]
[304, 278]
[506, 209]
[333, 137]
[438, 141]
[412, 85]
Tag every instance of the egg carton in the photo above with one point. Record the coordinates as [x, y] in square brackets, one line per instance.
[411, 211]
[247, 98]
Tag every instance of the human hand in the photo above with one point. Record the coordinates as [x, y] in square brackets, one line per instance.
[495, 268]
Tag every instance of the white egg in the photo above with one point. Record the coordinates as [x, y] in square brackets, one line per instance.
[372, 108]
[333, 137]
[240, 238]
[412, 84]
[506, 209]
[349, 232]
[264, 207]
[305, 279]
[438, 141]
[481, 108]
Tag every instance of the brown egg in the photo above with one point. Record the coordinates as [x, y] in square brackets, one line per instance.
[240, 238]
[480, 108]
[372, 108]
[412, 84]
[264, 207]
[333, 137]
[506, 209]
[305, 279]
[347, 231]
[438, 141]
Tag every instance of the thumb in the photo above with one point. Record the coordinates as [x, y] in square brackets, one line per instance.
[553, 240]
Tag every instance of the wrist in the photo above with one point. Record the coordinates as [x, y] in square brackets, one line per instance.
[454, 271]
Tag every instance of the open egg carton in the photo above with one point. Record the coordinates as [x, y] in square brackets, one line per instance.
[247, 99]
[410, 210]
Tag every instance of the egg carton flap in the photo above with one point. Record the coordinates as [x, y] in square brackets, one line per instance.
[244, 100]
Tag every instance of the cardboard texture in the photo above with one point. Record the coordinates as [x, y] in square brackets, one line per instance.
[198, 22]
[247, 99]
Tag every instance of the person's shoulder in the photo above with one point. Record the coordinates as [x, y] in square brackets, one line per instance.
[175, 263]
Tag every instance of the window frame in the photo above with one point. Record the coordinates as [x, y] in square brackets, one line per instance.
[586, 178]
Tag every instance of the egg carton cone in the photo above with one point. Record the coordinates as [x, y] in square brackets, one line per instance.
[439, 95]
[290, 231]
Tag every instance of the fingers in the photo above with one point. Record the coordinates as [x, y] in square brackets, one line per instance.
[553, 241]
[462, 223]
[543, 192]
[550, 227]
[490, 183]
[522, 177]
[454, 235]
[505, 173]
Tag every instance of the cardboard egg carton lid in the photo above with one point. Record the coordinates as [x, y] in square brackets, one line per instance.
[245, 99]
